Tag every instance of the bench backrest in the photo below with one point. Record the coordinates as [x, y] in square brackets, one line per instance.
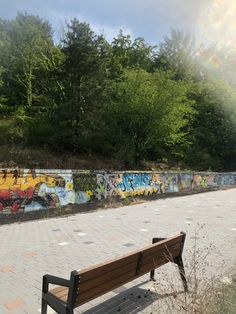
[99, 279]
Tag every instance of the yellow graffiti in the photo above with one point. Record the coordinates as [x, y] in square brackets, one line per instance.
[197, 180]
[69, 186]
[157, 181]
[181, 185]
[203, 182]
[10, 182]
[136, 192]
[119, 178]
[89, 193]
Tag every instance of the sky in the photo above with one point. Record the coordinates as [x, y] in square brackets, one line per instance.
[208, 20]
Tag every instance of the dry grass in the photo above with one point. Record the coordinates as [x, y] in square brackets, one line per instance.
[210, 292]
[18, 156]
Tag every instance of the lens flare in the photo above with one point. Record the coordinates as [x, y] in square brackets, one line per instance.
[216, 27]
[217, 23]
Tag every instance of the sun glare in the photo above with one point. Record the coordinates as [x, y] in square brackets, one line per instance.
[217, 24]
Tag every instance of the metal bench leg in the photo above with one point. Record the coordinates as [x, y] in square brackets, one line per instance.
[179, 261]
[152, 272]
[44, 307]
[152, 275]
[44, 290]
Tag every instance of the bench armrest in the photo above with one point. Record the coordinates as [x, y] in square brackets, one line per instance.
[49, 279]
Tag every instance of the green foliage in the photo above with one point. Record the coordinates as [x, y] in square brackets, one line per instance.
[124, 99]
[177, 54]
[147, 115]
[85, 70]
[214, 127]
[30, 69]
[133, 54]
[10, 132]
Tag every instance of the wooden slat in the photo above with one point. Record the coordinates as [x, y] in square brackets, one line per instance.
[99, 269]
[113, 284]
[126, 271]
[127, 268]
[101, 278]
[60, 292]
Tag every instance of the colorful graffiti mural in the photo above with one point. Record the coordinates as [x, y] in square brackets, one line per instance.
[85, 184]
[28, 190]
[133, 184]
[18, 189]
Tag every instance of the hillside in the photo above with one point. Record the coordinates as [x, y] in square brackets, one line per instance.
[43, 158]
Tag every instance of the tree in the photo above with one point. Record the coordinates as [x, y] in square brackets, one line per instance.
[27, 43]
[31, 63]
[177, 54]
[147, 117]
[85, 73]
[214, 128]
[133, 54]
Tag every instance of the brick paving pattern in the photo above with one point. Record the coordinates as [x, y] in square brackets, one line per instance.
[59, 245]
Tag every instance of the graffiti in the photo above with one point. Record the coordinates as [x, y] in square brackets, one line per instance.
[86, 182]
[171, 183]
[106, 185]
[184, 182]
[19, 189]
[85, 185]
[28, 190]
[133, 184]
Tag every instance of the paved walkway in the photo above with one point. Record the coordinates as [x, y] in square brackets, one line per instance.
[58, 245]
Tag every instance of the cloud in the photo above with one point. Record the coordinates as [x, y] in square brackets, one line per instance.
[151, 19]
[59, 20]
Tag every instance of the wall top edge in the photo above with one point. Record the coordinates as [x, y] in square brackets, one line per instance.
[69, 171]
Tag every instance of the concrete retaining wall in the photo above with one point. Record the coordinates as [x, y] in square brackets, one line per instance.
[24, 190]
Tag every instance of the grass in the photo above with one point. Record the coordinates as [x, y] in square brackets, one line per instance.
[224, 301]
[210, 292]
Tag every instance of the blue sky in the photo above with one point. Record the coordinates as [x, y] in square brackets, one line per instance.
[151, 19]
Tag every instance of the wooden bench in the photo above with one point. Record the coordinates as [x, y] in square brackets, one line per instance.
[90, 283]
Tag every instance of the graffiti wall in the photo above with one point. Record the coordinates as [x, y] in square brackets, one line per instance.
[25, 190]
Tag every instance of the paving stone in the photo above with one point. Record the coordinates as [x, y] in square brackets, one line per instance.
[128, 244]
[7, 269]
[30, 254]
[29, 250]
[15, 304]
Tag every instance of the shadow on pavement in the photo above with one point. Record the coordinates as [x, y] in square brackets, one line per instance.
[132, 300]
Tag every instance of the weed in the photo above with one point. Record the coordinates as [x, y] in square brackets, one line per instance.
[208, 293]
